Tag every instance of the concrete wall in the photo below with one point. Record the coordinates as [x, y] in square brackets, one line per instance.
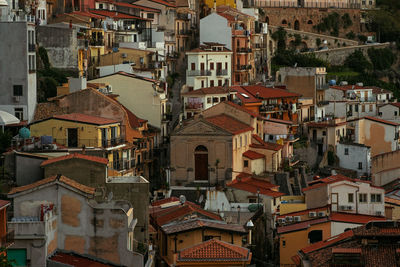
[17, 73]
[385, 168]
[61, 44]
[317, 197]
[389, 112]
[356, 154]
[214, 28]
[28, 169]
[337, 56]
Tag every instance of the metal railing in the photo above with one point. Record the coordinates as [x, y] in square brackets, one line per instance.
[221, 72]
[322, 103]
[184, 32]
[194, 106]
[90, 142]
[183, 16]
[95, 42]
[199, 73]
[307, 4]
[243, 50]
[122, 164]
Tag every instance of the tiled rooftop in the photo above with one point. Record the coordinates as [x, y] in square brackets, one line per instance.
[78, 117]
[75, 156]
[215, 250]
[253, 155]
[229, 124]
[196, 223]
[255, 186]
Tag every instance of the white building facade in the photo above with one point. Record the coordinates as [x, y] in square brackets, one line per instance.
[390, 111]
[208, 66]
[355, 157]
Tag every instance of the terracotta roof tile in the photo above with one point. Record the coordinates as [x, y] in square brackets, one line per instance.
[382, 121]
[348, 87]
[254, 186]
[268, 92]
[397, 104]
[164, 201]
[253, 155]
[259, 143]
[300, 225]
[75, 156]
[145, 8]
[196, 223]
[162, 2]
[303, 212]
[328, 242]
[346, 250]
[229, 124]
[208, 91]
[79, 117]
[61, 179]
[86, 14]
[76, 260]
[253, 114]
[114, 14]
[215, 250]
[354, 218]
[331, 179]
[4, 203]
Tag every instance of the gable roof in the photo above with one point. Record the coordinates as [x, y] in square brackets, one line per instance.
[253, 155]
[215, 250]
[348, 87]
[4, 203]
[255, 186]
[196, 223]
[86, 14]
[397, 104]
[53, 179]
[253, 114]
[354, 218]
[264, 145]
[81, 118]
[382, 121]
[263, 92]
[331, 179]
[70, 258]
[144, 8]
[330, 241]
[229, 124]
[208, 91]
[162, 2]
[114, 14]
[164, 201]
[75, 156]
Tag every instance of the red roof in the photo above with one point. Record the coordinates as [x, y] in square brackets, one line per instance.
[76, 260]
[215, 250]
[115, 14]
[301, 225]
[381, 121]
[227, 16]
[264, 145]
[61, 178]
[255, 186]
[208, 91]
[75, 156]
[303, 212]
[196, 223]
[229, 124]
[164, 201]
[4, 203]
[86, 14]
[253, 155]
[279, 121]
[262, 92]
[397, 104]
[253, 114]
[328, 242]
[245, 96]
[353, 218]
[78, 117]
[145, 8]
[346, 250]
[162, 2]
[331, 179]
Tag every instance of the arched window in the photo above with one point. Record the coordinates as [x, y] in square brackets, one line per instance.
[297, 25]
[309, 22]
[284, 22]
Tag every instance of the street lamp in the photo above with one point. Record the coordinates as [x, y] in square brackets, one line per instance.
[249, 225]
[238, 219]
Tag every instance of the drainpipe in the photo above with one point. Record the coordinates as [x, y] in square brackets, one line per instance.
[357, 200]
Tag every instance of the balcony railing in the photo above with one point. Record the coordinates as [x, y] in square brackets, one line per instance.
[194, 106]
[7, 240]
[121, 165]
[183, 16]
[243, 50]
[172, 55]
[199, 73]
[244, 67]
[322, 103]
[95, 42]
[90, 142]
[31, 47]
[222, 72]
[184, 32]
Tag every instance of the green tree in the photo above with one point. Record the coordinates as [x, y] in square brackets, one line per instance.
[5, 141]
[297, 39]
[382, 59]
[280, 37]
[357, 62]
[318, 42]
[4, 261]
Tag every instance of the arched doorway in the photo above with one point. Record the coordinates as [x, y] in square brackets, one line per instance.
[201, 163]
[297, 25]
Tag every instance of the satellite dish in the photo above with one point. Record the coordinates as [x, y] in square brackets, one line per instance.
[182, 199]
[110, 196]
[201, 198]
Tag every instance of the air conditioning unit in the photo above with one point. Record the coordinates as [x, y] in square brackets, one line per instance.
[312, 214]
[124, 55]
[297, 218]
[289, 218]
[321, 213]
[281, 220]
[17, 99]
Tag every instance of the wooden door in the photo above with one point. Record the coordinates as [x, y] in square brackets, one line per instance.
[201, 166]
[73, 137]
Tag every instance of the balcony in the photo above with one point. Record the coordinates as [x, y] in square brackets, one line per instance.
[96, 42]
[243, 67]
[91, 142]
[322, 103]
[193, 106]
[31, 47]
[199, 73]
[184, 32]
[7, 240]
[182, 16]
[122, 165]
[222, 72]
[172, 56]
[243, 50]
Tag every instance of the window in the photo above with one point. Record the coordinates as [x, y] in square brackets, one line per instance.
[395, 113]
[202, 84]
[32, 63]
[356, 108]
[315, 236]
[338, 132]
[215, 100]
[211, 66]
[208, 100]
[323, 133]
[219, 82]
[252, 200]
[360, 165]
[245, 140]
[377, 198]
[17, 90]
[371, 108]
[241, 142]
[150, 15]
[19, 113]
[208, 237]
[222, 99]
[346, 151]
[362, 108]
[245, 163]
[211, 83]
[350, 198]
[283, 243]
[193, 66]
[362, 198]
[226, 65]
